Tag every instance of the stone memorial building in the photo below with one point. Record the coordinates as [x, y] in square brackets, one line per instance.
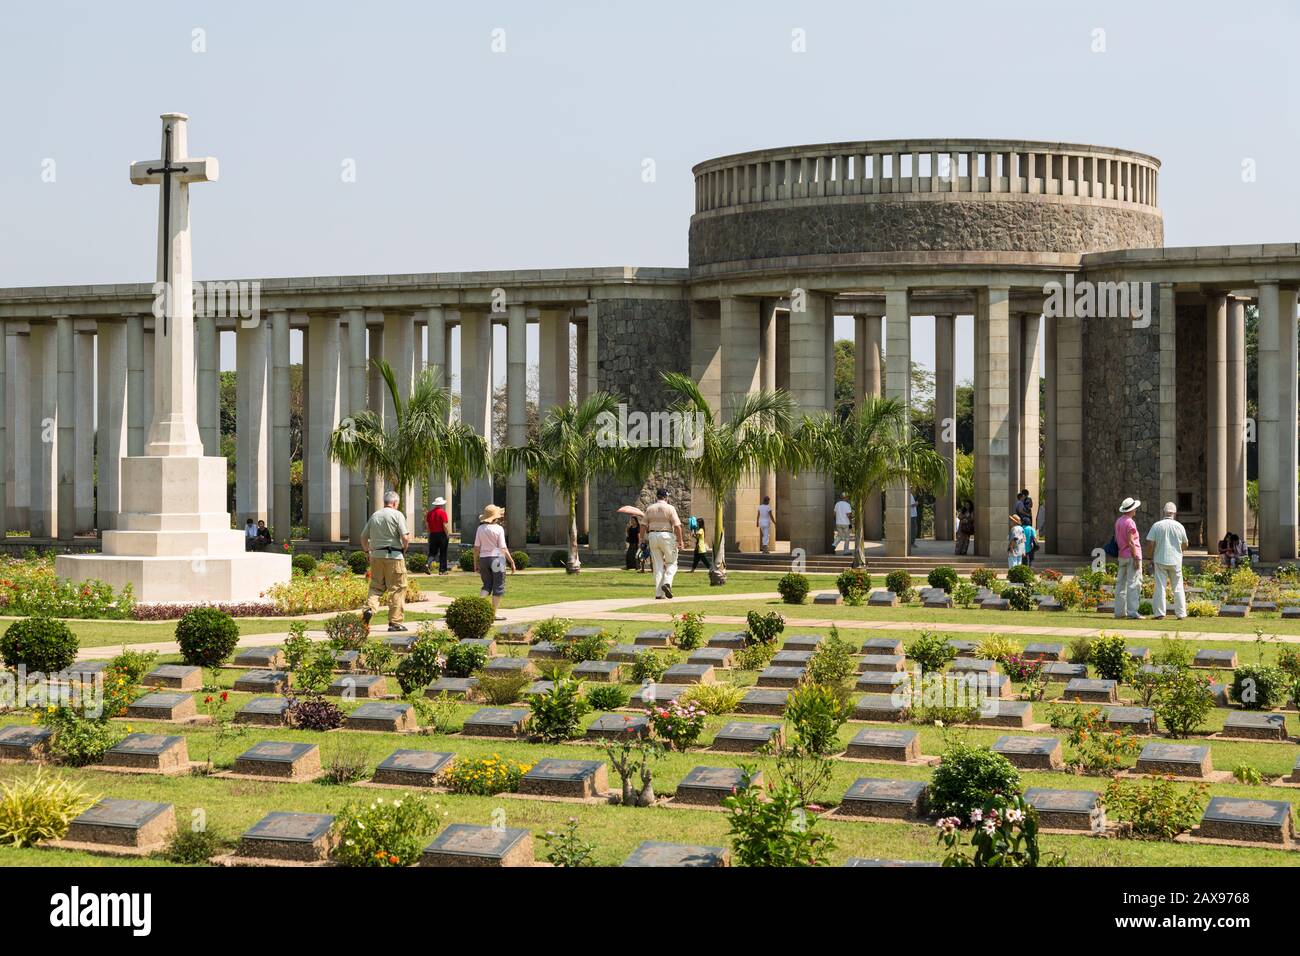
[1053, 249]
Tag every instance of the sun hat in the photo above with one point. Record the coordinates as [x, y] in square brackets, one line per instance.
[492, 513]
[440, 500]
[1129, 504]
[1014, 519]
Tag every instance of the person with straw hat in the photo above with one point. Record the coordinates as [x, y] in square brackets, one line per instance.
[1128, 582]
[491, 554]
[1015, 542]
[385, 538]
[1168, 538]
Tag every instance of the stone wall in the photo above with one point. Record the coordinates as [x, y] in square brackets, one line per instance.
[1191, 400]
[638, 339]
[827, 227]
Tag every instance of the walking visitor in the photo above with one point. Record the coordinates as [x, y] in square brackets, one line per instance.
[1168, 538]
[435, 522]
[701, 555]
[662, 531]
[385, 538]
[843, 526]
[1015, 542]
[965, 527]
[491, 555]
[764, 522]
[633, 541]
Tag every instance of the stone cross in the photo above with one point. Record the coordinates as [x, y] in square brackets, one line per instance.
[174, 431]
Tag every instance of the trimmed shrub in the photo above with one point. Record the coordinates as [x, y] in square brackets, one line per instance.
[967, 777]
[900, 582]
[358, 562]
[1020, 597]
[943, 577]
[853, 584]
[207, 637]
[522, 561]
[1021, 574]
[465, 560]
[304, 563]
[714, 699]
[558, 559]
[417, 562]
[650, 666]
[1111, 658]
[997, 647]
[470, 618]
[983, 577]
[1259, 686]
[793, 587]
[43, 644]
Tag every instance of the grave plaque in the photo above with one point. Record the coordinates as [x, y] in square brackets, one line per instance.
[995, 712]
[940, 600]
[782, 676]
[1091, 691]
[157, 752]
[1255, 725]
[1031, 753]
[134, 824]
[162, 705]
[538, 687]
[995, 604]
[983, 594]
[359, 686]
[735, 640]
[1051, 604]
[601, 672]
[717, 657]
[1295, 771]
[882, 682]
[1220, 694]
[963, 647]
[882, 645]
[827, 597]
[655, 693]
[973, 665]
[297, 837]
[510, 665]
[881, 662]
[1106, 607]
[545, 651]
[1175, 760]
[1142, 654]
[658, 853]
[802, 642]
[626, 653]
[784, 658]
[689, 674]
[400, 643]
[1060, 670]
[264, 658]
[347, 661]
[1043, 652]
[413, 768]
[496, 722]
[740, 736]
[1268, 606]
[281, 760]
[1233, 610]
[874, 797]
[877, 862]
[463, 844]
[488, 644]
[514, 633]
[770, 701]
[1157, 669]
[988, 685]
[582, 632]
[261, 682]
[465, 688]
[1248, 820]
[1291, 612]
[881, 707]
[872, 744]
[618, 727]
[653, 638]
[1138, 720]
[263, 711]
[1064, 809]
[1207, 657]
[709, 786]
[577, 779]
[882, 599]
[175, 677]
[390, 718]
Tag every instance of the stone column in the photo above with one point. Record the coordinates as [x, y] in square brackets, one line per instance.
[4, 430]
[326, 398]
[945, 422]
[1168, 395]
[453, 516]
[1015, 402]
[583, 389]
[67, 429]
[898, 386]
[19, 399]
[357, 511]
[741, 353]
[44, 436]
[476, 408]
[1031, 382]
[807, 518]
[399, 352]
[516, 421]
[1216, 417]
[83, 372]
[592, 358]
[146, 398]
[1235, 422]
[112, 421]
[994, 493]
[1048, 530]
[376, 390]
[281, 484]
[207, 353]
[1067, 508]
[1277, 422]
[252, 453]
[552, 390]
[136, 422]
[767, 378]
[304, 423]
[436, 359]
[873, 384]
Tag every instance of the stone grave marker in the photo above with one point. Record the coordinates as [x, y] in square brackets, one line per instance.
[1005, 713]
[538, 687]
[83, 671]
[939, 600]
[175, 677]
[963, 647]
[689, 674]
[1064, 809]
[1255, 725]
[295, 837]
[163, 705]
[881, 662]
[347, 661]
[1291, 612]
[545, 651]
[988, 685]
[784, 658]
[1139, 654]
[1043, 652]
[158, 753]
[463, 844]
[496, 722]
[880, 707]
[973, 665]
[802, 642]
[280, 760]
[782, 676]
[769, 701]
[1248, 820]
[1156, 669]
[576, 779]
[735, 640]
[1267, 606]
[1031, 753]
[413, 768]
[488, 644]
[626, 653]
[717, 657]
[1295, 771]
[139, 825]
[1220, 694]
[1175, 760]
[742, 736]
[873, 744]
[260, 681]
[658, 853]
[1139, 720]
[262, 658]
[827, 597]
[582, 631]
[995, 604]
[1091, 690]
[882, 645]
[1060, 670]
[875, 797]
[618, 727]
[882, 599]
[1106, 607]
[263, 712]
[655, 693]
[499, 666]
[709, 786]
[1234, 610]
[1208, 657]
[877, 862]
[654, 638]
[514, 633]
[882, 682]
[465, 688]
[359, 686]
[600, 672]
[400, 643]
[398, 718]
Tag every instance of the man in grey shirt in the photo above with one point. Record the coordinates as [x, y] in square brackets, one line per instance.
[1168, 538]
[385, 538]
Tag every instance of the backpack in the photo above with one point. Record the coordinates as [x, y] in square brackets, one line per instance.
[1111, 547]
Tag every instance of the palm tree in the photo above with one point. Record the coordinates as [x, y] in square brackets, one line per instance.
[754, 438]
[869, 450]
[574, 445]
[419, 439]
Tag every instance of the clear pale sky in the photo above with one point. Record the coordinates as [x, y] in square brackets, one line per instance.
[467, 158]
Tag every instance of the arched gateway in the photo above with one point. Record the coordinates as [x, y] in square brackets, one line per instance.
[1144, 347]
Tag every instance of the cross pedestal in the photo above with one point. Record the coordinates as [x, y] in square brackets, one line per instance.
[173, 541]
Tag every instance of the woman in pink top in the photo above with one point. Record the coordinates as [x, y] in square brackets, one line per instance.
[1128, 581]
[491, 554]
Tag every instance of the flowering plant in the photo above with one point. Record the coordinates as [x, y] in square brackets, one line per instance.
[1004, 832]
[385, 833]
[29, 587]
[1029, 674]
[485, 776]
[679, 723]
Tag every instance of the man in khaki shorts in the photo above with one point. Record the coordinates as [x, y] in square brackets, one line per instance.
[385, 539]
[662, 528]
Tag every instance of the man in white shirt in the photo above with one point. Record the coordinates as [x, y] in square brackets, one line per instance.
[913, 519]
[662, 530]
[1168, 537]
[765, 525]
[843, 517]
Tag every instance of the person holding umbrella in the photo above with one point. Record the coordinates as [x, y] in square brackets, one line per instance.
[634, 516]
